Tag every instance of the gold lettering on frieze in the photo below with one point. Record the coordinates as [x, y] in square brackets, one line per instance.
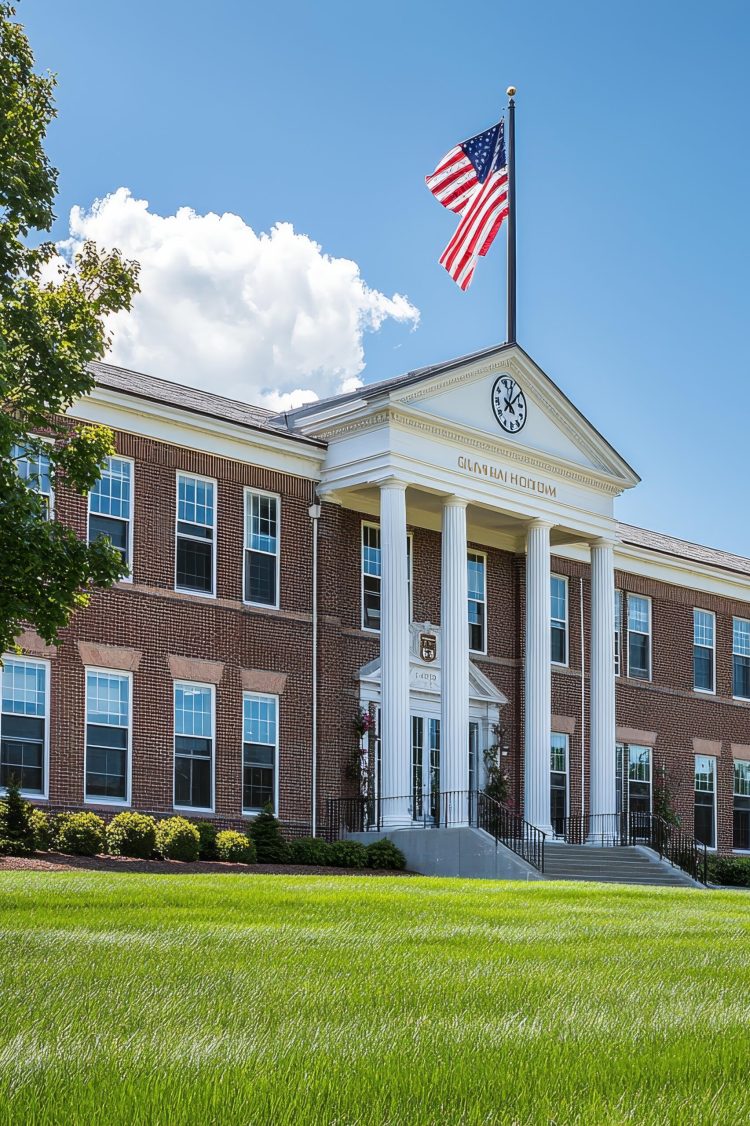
[515, 480]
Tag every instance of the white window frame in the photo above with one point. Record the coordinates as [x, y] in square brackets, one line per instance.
[129, 773]
[706, 691]
[248, 494]
[409, 572]
[714, 846]
[131, 519]
[34, 794]
[483, 556]
[645, 598]
[564, 579]
[618, 632]
[212, 689]
[252, 811]
[566, 738]
[215, 542]
[51, 494]
[736, 654]
[735, 794]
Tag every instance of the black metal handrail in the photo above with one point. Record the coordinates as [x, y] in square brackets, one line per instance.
[510, 829]
[638, 828]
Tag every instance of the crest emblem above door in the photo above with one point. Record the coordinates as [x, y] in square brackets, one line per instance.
[427, 647]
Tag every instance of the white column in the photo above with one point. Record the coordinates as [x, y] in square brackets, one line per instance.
[454, 725]
[602, 744]
[395, 772]
[538, 684]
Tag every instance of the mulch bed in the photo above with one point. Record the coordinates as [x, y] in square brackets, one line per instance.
[61, 862]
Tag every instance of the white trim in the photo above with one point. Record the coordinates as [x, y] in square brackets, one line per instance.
[248, 811]
[619, 603]
[645, 597]
[34, 794]
[566, 663]
[705, 691]
[736, 618]
[212, 689]
[215, 545]
[362, 525]
[130, 521]
[123, 804]
[486, 630]
[247, 493]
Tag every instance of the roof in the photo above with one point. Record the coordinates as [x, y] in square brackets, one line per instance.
[683, 549]
[192, 400]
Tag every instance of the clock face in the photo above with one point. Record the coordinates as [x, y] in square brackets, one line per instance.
[509, 404]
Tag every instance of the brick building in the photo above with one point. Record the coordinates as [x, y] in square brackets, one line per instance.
[438, 552]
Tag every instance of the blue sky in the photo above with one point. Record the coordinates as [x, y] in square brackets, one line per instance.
[632, 187]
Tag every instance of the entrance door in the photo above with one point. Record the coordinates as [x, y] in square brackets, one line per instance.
[425, 767]
[558, 783]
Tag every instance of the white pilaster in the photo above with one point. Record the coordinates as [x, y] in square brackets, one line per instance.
[538, 701]
[602, 795]
[454, 727]
[395, 775]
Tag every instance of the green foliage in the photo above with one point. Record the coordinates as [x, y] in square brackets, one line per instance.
[41, 826]
[732, 871]
[269, 843]
[238, 847]
[49, 331]
[16, 829]
[207, 832]
[132, 834]
[385, 854]
[496, 781]
[310, 850]
[80, 834]
[177, 839]
[348, 854]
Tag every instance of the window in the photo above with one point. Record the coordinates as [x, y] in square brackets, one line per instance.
[705, 795]
[260, 746]
[23, 724]
[261, 548]
[741, 838]
[639, 636]
[371, 575]
[107, 736]
[196, 530]
[32, 466]
[703, 650]
[193, 745]
[741, 658]
[477, 568]
[110, 506]
[559, 600]
[618, 630]
[558, 777]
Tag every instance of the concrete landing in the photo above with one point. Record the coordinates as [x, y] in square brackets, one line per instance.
[469, 853]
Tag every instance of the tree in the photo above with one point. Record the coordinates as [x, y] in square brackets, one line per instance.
[16, 829]
[52, 324]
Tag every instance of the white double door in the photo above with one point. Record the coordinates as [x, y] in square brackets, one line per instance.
[425, 765]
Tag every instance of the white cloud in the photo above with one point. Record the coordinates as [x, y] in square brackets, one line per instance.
[268, 318]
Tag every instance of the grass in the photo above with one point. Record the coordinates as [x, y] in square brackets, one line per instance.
[238, 999]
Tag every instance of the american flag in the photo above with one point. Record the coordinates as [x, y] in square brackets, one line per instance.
[472, 180]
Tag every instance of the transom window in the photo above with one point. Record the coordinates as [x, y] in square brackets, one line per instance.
[110, 506]
[193, 745]
[477, 587]
[107, 736]
[33, 467]
[261, 548]
[703, 650]
[371, 575]
[23, 724]
[741, 811]
[741, 658]
[559, 619]
[639, 636]
[259, 751]
[196, 534]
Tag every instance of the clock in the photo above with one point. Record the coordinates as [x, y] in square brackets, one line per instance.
[509, 404]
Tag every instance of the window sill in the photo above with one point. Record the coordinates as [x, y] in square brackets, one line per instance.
[705, 691]
[193, 809]
[120, 803]
[261, 605]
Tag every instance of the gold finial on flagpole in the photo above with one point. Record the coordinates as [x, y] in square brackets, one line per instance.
[510, 91]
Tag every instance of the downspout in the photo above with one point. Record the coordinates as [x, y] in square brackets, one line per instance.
[314, 513]
[583, 708]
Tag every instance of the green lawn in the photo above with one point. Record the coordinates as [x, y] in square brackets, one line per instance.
[262, 999]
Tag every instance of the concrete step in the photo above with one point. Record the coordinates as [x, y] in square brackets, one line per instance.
[621, 865]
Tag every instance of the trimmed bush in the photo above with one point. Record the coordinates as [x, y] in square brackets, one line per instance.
[385, 854]
[80, 834]
[207, 832]
[731, 871]
[132, 834]
[269, 843]
[238, 847]
[16, 830]
[177, 839]
[348, 854]
[310, 850]
[41, 827]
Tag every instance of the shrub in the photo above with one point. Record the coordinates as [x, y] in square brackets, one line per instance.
[41, 826]
[732, 871]
[348, 854]
[81, 834]
[385, 854]
[177, 839]
[16, 830]
[269, 843]
[238, 847]
[207, 832]
[310, 850]
[132, 834]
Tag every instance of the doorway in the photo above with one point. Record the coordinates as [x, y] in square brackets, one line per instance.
[425, 767]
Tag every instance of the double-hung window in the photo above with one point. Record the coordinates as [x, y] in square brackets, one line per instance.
[107, 736]
[618, 631]
[741, 658]
[559, 619]
[262, 526]
[24, 722]
[196, 534]
[32, 466]
[704, 650]
[639, 636]
[193, 745]
[371, 575]
[111, 506]
[705, 800]
[260, 746]
[477, 587]
[741, 838]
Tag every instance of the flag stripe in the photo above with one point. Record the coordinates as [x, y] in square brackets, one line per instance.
[473, 218]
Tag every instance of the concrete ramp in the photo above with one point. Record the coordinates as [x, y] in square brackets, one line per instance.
[469, 853]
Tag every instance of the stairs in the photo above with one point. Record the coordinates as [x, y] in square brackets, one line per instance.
[619, 865]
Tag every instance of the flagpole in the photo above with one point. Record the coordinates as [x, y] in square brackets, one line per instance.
[511, 287]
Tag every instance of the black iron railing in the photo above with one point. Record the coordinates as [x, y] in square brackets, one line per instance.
[636, 828]
[510, 829]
